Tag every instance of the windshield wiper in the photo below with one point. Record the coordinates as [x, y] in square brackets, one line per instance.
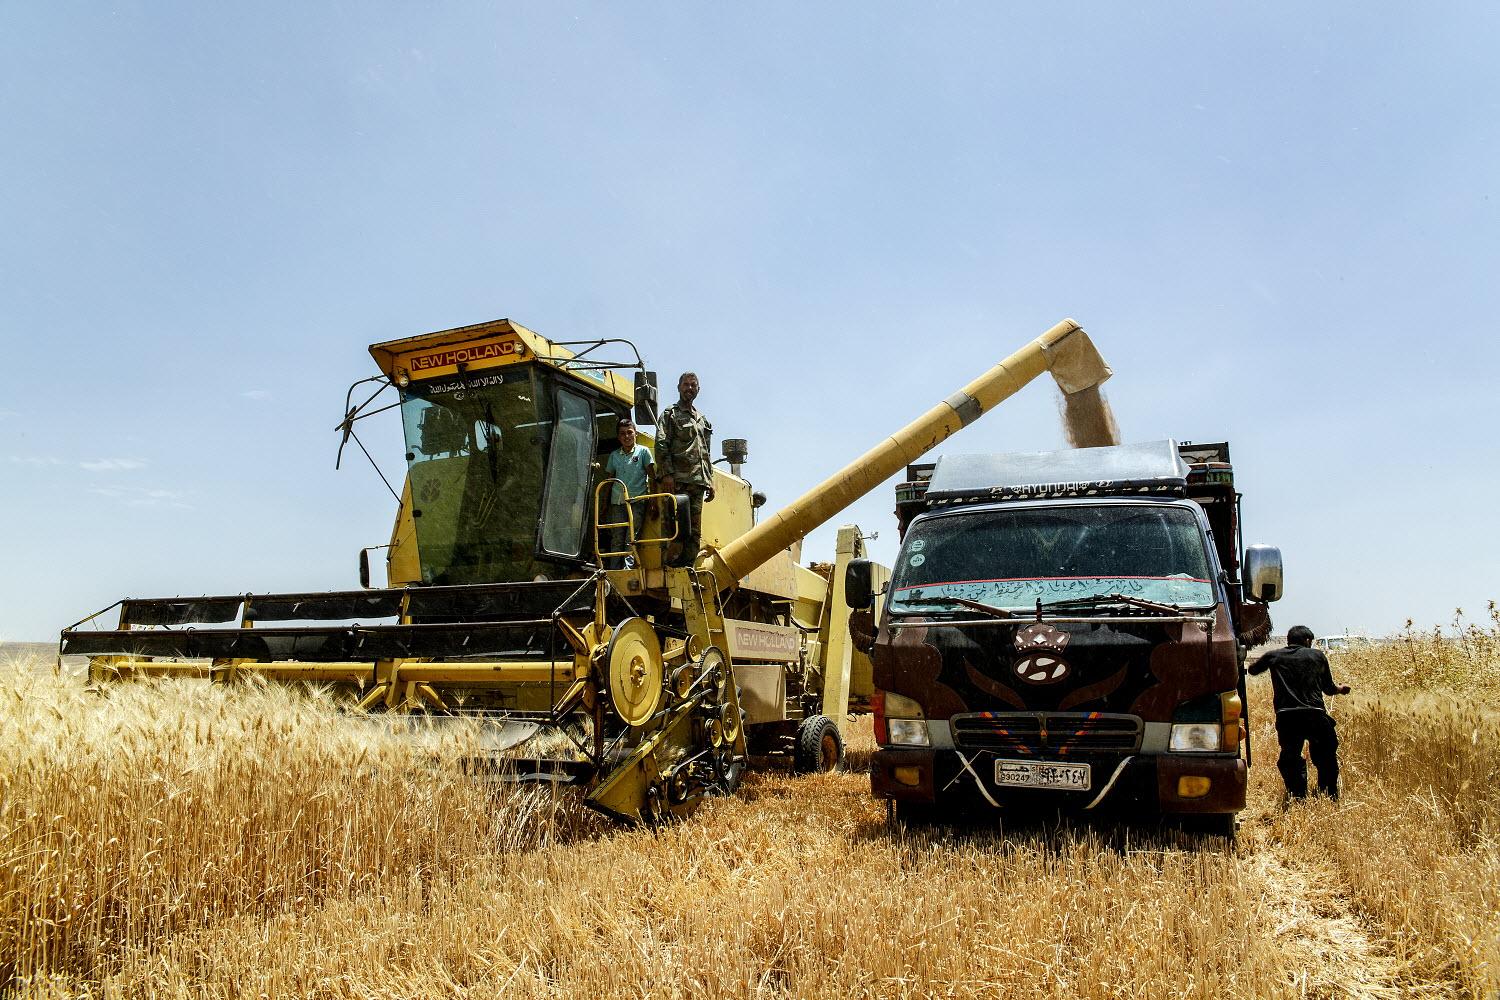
[1099, 599]
[962, 602]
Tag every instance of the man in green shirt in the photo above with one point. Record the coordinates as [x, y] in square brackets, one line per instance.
[684, 443]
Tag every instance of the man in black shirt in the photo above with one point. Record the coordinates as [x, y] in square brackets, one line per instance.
[1300, 677]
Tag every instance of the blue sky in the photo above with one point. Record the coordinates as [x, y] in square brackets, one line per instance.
[1279, 223]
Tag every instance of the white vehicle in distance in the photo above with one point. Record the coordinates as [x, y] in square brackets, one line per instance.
[1341, 643]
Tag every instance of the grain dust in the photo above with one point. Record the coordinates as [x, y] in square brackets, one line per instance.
[1089, 421]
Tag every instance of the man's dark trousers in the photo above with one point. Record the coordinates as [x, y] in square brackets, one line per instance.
[1301, 725]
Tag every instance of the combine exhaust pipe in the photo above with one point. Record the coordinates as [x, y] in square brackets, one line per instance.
[1065, 351]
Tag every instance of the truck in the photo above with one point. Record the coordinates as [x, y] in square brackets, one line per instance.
[1066, 631]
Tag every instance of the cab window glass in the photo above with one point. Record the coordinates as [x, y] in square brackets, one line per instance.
[474, 454]
[569, 476]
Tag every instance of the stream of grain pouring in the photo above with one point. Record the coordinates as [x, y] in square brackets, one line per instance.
[1089, 421]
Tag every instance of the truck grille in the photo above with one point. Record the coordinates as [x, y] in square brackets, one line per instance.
[1047, 733]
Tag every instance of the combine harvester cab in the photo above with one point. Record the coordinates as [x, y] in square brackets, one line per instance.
[499, 613]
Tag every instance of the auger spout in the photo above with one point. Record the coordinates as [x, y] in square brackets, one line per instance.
[1065, 351]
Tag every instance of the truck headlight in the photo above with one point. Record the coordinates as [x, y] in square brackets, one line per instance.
[1196, 737]
[908, 732]
[899, 720]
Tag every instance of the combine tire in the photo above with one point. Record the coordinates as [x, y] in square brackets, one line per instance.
[819, 745]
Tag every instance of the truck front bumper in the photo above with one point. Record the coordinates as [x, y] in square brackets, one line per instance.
[923, 775]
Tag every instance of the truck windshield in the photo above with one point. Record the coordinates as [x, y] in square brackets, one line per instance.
[1014, 558]
[474, 457]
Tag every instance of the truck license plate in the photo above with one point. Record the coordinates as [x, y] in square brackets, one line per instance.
[1035, 774]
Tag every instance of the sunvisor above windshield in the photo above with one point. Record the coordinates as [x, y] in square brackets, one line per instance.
[1153, 468]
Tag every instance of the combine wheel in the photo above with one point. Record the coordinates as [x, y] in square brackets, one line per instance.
[819, 746]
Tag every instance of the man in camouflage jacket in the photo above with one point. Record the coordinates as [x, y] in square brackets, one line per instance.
[684, 443]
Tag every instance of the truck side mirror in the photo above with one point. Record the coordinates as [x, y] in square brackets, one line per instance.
[858, 584]
[645, 398]
[1262, 573]
[364, 568]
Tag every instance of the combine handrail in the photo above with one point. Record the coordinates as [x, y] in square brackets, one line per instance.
[629, 522]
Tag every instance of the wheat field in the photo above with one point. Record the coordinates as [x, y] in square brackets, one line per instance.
[167, 839]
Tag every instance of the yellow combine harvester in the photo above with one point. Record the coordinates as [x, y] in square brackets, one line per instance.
[498, 606]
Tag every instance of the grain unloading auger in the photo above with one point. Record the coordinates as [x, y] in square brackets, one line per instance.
[500, 615]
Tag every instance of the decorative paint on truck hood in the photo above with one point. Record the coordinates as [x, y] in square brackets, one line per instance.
[1143, 668]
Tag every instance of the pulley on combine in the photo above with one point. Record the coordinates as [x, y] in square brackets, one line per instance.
[635, 671]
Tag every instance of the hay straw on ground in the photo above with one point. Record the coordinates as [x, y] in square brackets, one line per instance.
[182, 840]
